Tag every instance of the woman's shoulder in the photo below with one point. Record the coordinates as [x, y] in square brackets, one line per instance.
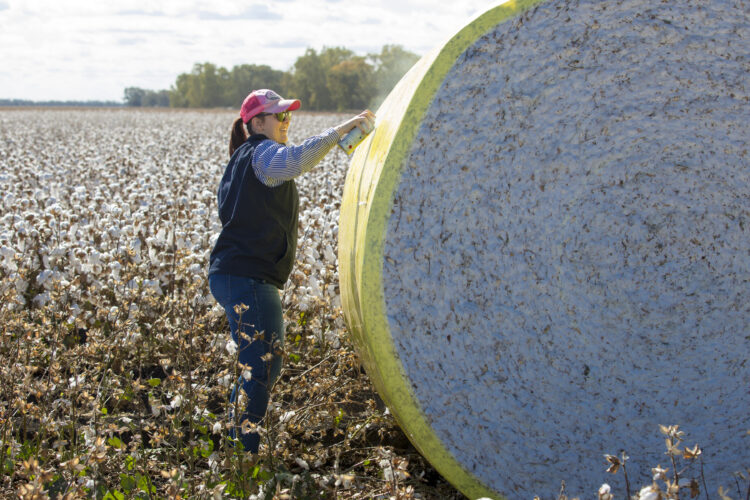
[249, 146]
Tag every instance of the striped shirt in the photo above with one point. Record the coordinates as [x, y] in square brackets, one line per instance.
[275, 163]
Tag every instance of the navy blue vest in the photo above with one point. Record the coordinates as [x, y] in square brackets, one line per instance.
[258, 238]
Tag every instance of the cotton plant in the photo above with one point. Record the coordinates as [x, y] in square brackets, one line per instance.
[682, 478]
[110, 328]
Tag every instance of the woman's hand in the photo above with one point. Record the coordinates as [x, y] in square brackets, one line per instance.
[365, 121]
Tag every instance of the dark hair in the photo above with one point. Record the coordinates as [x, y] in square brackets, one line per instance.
[239, 135]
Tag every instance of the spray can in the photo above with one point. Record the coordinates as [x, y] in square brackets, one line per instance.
[352, 139]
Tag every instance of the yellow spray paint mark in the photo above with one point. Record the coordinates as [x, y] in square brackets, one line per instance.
[372, 180]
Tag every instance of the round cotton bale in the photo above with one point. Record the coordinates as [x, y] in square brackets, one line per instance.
[544, 246]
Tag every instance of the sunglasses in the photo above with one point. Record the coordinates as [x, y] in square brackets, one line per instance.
[282, 117]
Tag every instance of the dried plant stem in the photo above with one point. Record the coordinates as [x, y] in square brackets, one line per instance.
[172, 275]
[269, 432]
[191, 403]
[674, 468]
[627, 481]
[237, 388]
[148, 483]
[739, 490]
[703, 479]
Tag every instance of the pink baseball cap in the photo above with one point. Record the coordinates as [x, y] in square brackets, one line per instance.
[265, 101]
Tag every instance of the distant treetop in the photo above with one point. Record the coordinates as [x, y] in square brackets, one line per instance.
[334, 79]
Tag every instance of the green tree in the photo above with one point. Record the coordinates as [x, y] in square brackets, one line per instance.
[203, 87]
[211, 85]
[178, 93]
[331, 57]
[351, 84]
[133, 96]
[156, 98]
[247, 77]
[334, 79]
[186, 92]
[309, 78]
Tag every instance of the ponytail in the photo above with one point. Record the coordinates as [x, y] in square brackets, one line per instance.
[238, 136]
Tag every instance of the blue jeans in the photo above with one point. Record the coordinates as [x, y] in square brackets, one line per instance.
[263, 314]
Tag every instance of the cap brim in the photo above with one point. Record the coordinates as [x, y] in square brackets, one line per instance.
[284, 105]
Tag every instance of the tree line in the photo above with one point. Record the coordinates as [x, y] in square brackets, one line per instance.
[77, 104]
[334, 79]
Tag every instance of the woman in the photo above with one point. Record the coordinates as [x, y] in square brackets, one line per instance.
[255, 251]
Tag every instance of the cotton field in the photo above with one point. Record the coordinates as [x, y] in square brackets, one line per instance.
[86, 194]
[115, 364]
[116, 361]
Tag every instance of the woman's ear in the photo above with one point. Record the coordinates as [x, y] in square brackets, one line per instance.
[256, 124]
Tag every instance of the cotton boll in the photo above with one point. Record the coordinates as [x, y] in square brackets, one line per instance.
[332, 339]
[225, 381]
[649, 493]
[56, 254]
[153, 286]
[311, 255]
[199, 300]
[45, 278]
[21, 284]
[41, 299]
[216, 311]
[76, 381]
[75, 311]
[316, 214]
[94, 258]
[20, 301]
[605, 492]
[297, 275]
[176, 402]
[154, 255]
[161, 236]
[313, 288]
[303, 303]
[330, 257]
[287, 416]
[336, 304]
[231, 347]
[8, 255]
[113, 312]
[115, 268]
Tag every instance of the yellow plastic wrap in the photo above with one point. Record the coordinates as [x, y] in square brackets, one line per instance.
[366, 207]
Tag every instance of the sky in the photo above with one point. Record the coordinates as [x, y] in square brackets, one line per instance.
[83, 50]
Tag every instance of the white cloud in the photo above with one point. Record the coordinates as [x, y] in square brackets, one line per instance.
[81, 50]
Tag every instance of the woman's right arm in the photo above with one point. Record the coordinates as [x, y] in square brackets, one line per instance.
[275, 163]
